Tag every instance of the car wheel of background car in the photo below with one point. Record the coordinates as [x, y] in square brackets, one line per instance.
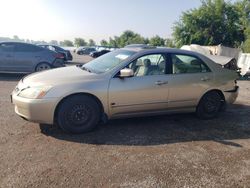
[209, 105]
[78, 114]
[42, 67]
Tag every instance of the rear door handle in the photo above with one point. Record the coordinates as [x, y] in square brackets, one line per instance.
[161, 82]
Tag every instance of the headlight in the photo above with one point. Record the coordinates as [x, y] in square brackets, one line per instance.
[34, 92]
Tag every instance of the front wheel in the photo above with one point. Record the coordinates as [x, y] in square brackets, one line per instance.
[209, 105]
[78, 114]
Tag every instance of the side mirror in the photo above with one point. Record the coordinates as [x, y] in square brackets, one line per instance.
[126, 73]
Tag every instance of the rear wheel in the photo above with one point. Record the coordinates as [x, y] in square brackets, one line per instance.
[78, 114]
[209, 105]
[42, 67]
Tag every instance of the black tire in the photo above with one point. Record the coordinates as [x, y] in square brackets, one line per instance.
[43, 66]
[78, 114]
[209, 105]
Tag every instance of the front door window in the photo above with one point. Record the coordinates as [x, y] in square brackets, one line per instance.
[154, 64]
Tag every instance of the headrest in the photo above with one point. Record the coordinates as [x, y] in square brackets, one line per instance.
[195, 62]
[139, 62]
[162, 65]
[146, 62]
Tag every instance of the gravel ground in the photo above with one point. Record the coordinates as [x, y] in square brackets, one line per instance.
[163, 151]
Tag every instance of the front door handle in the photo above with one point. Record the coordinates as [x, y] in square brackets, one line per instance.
[161, 82]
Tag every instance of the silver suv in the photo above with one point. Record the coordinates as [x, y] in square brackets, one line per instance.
[23, 57]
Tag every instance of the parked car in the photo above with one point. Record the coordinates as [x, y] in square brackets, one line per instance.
[66, 53]
[125, 83]
[85, 50]
[96, 54]
[23, 57]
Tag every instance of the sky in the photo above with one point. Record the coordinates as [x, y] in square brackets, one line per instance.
[97, 19]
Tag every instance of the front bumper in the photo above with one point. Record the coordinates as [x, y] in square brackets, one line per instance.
[35, 110]
[231, 95]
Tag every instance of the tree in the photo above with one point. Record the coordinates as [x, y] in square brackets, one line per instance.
[126, 38]
[104, 43]
[16, 38]
[215, 22]
[156, 41]
[129, 37]
[244, 8]
[91, 42]
[80, 42]
[67, 43]
[113, 42]
[246, 44]
[169, 43]
[54, 42]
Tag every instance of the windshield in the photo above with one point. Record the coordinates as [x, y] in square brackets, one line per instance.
[108, 61]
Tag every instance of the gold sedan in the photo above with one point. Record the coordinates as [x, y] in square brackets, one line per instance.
[133, 81]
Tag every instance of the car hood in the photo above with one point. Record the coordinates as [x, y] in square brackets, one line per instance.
[58, 76]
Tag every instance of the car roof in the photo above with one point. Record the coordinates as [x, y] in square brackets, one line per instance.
[10, 42]
[151, 49]
[21, 43]
[48, 45]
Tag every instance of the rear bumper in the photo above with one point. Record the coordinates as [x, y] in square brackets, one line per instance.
[231, 95]
[69, 57]
[35, 110]
[58, 63]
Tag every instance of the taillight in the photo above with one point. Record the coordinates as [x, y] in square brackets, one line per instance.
[59, 56]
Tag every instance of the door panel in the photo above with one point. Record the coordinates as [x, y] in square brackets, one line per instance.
[138, 94]
[186, 89]
[146, 91]
[191, 77]
[25, 61]
[26, 55]
[6, 57]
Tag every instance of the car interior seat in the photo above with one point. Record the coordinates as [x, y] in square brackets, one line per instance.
[161, 67]
[143, 67]
[195, 66]
[176, 70]
[157, 69]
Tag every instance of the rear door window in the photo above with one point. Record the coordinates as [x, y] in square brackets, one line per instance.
[27, 48]
[51, 48]
[183, 64]
[7, 47]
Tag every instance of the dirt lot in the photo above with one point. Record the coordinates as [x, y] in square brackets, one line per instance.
[163, 151]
